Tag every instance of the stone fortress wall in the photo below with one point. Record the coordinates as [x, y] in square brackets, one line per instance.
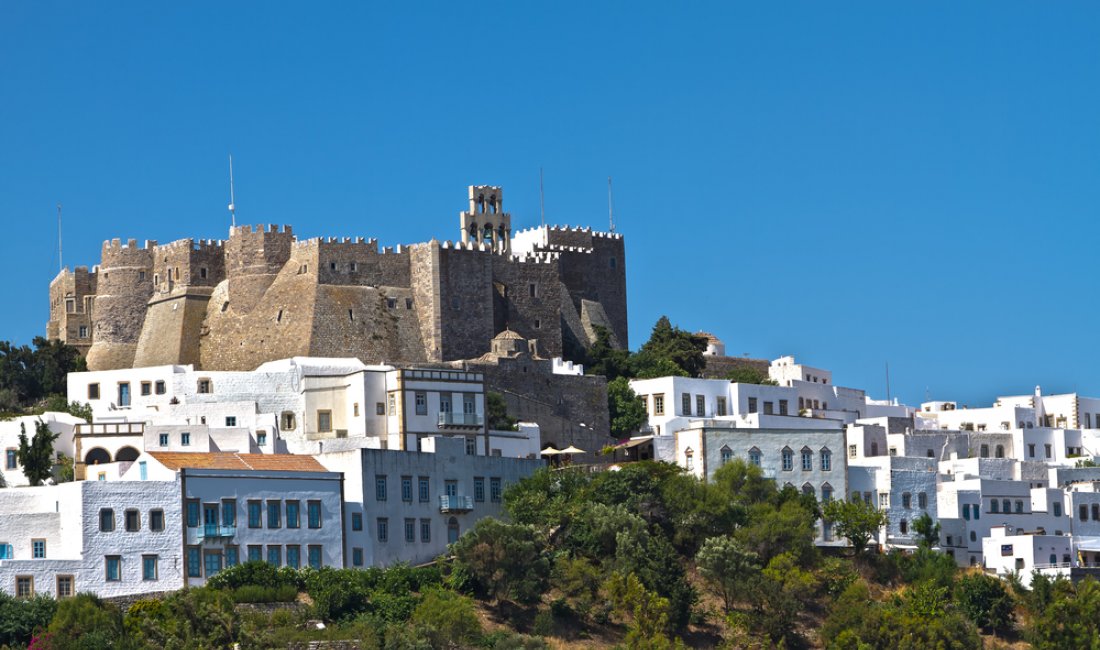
[262, 294]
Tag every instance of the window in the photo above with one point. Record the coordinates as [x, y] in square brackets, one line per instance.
[315, 556]
[966, 512]
[407, 489]
[146, 388]
[689, 459]
[113, 568]
[124, 393]
[294, 556]
[1056, 509]
[288, 421]
[826, 493]
[755, 457]
[999, 451]
[479, 488]
[383, 528]
[5, 551]
[903, 525]
[826, 460]
[1048, 451]
[906, 500]
[494, 489]
[977, 511]
[700, 405]
[275, 555]
[410, 530]
[24, 586]
[231, 420]
[421, 403]
[788, 459]
[314, 514]
[922, 500]
[426, 530]
[1096, 512]
[10, 458]
[983, 451]
[769, 408]
[852, 451]
[357, 521]
[391, 401]
[471, 447]
[274, 514]
[874, 449]
[293, 514]
[807, 489]
[93, 391]
[205, 387]
[1019, 506]
[1007, 506]
[782, 407]
[156, 520]
[38, 549]
[379, 488]
[149, 567]
[324, 421]
[720, 408]
[65, 586]
[752, 405]
[807, 460]
[380, 408]
[994, 505]
[82, 332]
[973, 538]
[185, 439]
[659, 404]
[254, 509]
[163, 439]
[423, 491]
[255, 553]
[261, 438]
[192, 513]
[132, 521]
[726, 454]
[106, 520]
[355, 409]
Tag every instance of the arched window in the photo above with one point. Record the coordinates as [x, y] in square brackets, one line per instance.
[689, 459]
[807, 459]
[472, 229]
[1019, 506]
[826, 493]
[1006, 505]
[755, 457]
[994, 506]
[1000, 451]
[727, 454]
[807, 489]
[788, 459]
[826, 460]
[487, 234]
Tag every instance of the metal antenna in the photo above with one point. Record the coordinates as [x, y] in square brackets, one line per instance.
[610, 206]
[60, 262]
[887, 381]
[542, 199]
[232, 199]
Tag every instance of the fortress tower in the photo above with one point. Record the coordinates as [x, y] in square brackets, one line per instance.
[124, 286]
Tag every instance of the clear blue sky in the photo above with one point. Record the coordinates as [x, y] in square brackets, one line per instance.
[850, 183]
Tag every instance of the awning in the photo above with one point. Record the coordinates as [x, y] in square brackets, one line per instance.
[550, 451]
[571, 450]
[635, 442]
[1089, 544]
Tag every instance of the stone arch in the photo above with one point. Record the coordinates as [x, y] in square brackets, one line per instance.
[97, 456]
[127, 454]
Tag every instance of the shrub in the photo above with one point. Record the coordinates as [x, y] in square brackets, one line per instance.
[258, 574]
[20, 618]
[448, 617]
[258, 594]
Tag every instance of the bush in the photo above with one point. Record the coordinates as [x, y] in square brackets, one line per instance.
[21, 618]
[258, 594]
[257, 574]
[448, 618]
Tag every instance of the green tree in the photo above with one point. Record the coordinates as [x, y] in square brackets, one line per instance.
[647, 611]
[985, 601]
[36, 455]
[626, 412]
[927, 530]
[506, 561]
[497, 410]
[448, 618]
[682, 348]
[58, 404]
[20, 618]
[856, 520]
[746, 374]
[744, 482]
[605, 358]
[81, 616]
[727, 567]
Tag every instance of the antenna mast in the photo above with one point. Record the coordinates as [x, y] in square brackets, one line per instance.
[610, 206]
[232, 200]
[542, 199]
[887, 381]
[60, 261]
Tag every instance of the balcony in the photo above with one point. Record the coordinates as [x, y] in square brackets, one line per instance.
[472, 420]
[214, 531]
[455, 504]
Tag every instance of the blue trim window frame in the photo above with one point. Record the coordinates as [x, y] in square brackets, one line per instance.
[254, 510]
[192, 513]
[315, 556]
[275, 514]
[194, 562]
[293, 514]
[314, 513]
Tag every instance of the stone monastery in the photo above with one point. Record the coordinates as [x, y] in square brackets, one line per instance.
[263, 295]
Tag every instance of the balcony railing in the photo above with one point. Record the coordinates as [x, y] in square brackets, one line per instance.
[455, 504]
[460, 419]
[214, 531]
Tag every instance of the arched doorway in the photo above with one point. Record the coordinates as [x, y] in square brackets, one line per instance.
[127, 454]
[97, 456]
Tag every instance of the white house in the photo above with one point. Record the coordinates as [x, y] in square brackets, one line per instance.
[63, 424]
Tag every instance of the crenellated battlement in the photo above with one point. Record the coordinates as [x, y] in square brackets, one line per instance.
[116, 245]
[261, 228]
[196, 245]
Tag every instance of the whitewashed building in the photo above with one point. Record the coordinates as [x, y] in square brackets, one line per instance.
[63, 424]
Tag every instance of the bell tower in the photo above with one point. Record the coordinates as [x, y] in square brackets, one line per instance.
[486, 222]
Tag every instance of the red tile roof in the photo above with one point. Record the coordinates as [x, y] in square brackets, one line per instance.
[174, 460]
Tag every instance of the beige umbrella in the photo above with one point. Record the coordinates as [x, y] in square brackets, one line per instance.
[571, 450]
[550, 451]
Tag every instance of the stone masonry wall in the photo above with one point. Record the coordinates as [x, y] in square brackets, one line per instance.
[124, 286]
